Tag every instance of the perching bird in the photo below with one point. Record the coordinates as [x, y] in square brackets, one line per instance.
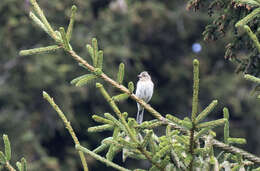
[144, 91]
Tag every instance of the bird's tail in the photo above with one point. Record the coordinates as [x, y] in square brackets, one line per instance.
[140, 114]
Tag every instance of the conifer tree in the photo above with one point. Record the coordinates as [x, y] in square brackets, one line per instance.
[188, 144]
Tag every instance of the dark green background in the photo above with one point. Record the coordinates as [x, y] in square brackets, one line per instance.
[151, 35]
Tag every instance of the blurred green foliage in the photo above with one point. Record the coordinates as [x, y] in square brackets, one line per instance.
[227, 16]
[156, 36]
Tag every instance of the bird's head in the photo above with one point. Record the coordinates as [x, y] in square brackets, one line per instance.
[144, 76]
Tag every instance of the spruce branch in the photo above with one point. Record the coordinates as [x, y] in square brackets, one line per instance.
[194, 109]
[120, 97]
[182, 140]
[44, 20]
[127, 144]
[195, 90]
[39, 23]
[226, 127]
[9, 166]
[95, 51]
[252, 78]
[206, 111]
[64, 39]
[162, 152]
[236, 141]
[116, 122]
[228, 14]
[156, 114]
[6, 157]
[100, 59]
[248, 2]
[7, 147]
[201, 133]
[174, 119]
[212, 124]
[235, 150]
[131, 87]
[101, 119]
[67, 125]
[113, 149]
[40, 50]
[97, 157]
[24, 164]
[5, 162]
[3, 159]
[117, 111]
[111, 141]
[101, 148]
[83, 79]
[147, 139]
[191, 150]
[98, 72]
[149, 157]
[248, 18]
[252, 36]
[152, 125]
[121, 73]
[126, 126]
[100, 128]
[71, 24]
[90, 51]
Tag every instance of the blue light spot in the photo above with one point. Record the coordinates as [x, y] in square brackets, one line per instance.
[196, 47]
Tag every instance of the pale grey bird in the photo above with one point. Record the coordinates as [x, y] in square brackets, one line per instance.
[144, 91]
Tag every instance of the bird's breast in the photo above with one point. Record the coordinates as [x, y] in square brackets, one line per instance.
[144, 90]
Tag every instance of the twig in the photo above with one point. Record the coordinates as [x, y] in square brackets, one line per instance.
[68, 126]
[102, 159]
[9, 166]
[236, 150]
[195, 101]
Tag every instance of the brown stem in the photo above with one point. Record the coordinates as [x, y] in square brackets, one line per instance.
[68, 127]
[9, 166]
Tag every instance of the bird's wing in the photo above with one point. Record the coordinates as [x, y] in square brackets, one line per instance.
[139, 89]
[149, 91]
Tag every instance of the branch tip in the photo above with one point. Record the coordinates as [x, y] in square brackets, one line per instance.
[98, 85]
[195, 62]
[74, 8]
[45, 94]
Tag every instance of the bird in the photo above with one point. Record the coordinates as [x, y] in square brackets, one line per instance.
[144, 91]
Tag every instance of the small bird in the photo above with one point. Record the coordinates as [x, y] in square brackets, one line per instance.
[144, 91]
